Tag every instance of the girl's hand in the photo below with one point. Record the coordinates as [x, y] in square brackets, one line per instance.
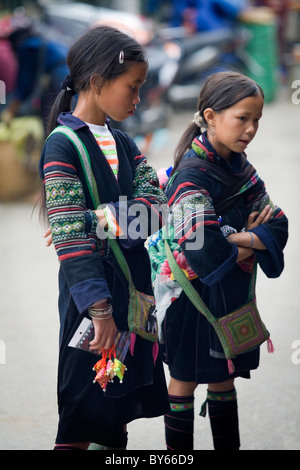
[251, 240]
[48, 235]
[256, 218]
[101, 217]
[105, 334]
[102, 221]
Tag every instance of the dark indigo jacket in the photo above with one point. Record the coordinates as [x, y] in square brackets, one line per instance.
[70, 210]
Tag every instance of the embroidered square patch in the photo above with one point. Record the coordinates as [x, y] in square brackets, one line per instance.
[243, 329]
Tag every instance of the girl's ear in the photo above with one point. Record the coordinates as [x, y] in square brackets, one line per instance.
[95, 83]
[209, 116]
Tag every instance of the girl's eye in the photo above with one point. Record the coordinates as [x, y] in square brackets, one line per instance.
[242, 118]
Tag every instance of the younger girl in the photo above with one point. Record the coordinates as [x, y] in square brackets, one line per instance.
[251, 231]
[107, 70]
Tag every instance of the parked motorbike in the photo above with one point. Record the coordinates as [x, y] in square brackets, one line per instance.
[178, 63]
[198, 56]
[153, 111]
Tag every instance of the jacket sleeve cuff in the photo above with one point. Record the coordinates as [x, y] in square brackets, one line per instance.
[219, 273]
[86, 293]
[270, 260]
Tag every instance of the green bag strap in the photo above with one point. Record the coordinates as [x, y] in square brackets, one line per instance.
[186, 285]
[92, 186]
[194, 296]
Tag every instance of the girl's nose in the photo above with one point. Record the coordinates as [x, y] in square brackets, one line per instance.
[136, 99]
[251, 129]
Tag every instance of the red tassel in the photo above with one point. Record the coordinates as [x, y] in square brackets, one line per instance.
[132, 343]
[270, 346]
[230, 366]
[155, 350]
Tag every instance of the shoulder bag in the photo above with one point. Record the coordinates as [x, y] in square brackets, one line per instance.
[239, 332]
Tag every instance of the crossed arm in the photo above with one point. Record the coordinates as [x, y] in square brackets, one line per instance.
[247, 241]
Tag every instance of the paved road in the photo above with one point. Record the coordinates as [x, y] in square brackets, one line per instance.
[268, 403]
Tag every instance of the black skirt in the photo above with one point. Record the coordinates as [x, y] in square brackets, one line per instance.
[186, 347]
[86, 413]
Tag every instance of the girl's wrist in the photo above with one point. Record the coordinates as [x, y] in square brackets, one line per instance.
[252, 240]
[243, 253]
[100, 304]
[101, 310]
[244, 239]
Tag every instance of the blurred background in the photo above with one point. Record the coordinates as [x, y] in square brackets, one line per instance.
[186, 41]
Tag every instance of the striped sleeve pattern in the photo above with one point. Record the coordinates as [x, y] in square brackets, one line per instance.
[257, 198]
[197, 230]
[73, 227]
[143, 214]
[145, 183]
[192, 209]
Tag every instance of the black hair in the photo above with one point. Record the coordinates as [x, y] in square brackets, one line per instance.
[96, 52]
[220, 91]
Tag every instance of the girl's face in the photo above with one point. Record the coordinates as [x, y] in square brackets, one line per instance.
[119, 97]
[232, 129]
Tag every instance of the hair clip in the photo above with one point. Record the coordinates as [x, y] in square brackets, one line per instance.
[121, 57]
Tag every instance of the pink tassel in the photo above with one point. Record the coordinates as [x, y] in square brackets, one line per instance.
[155, 350]
[270, 346]
[230, 366]
[132, 343]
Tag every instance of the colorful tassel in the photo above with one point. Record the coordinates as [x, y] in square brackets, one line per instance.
[270, 346]
[102, 378]
[101, 363]
[119, 369]
[110, 370]
[230, 366]
[106, 370]
[155, 350]
[132, 342]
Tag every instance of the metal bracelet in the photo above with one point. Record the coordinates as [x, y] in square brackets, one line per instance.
[97, 317]
[100, 312]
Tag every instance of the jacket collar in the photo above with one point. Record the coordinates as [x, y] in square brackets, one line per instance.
[67, 119]
[205, 150]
